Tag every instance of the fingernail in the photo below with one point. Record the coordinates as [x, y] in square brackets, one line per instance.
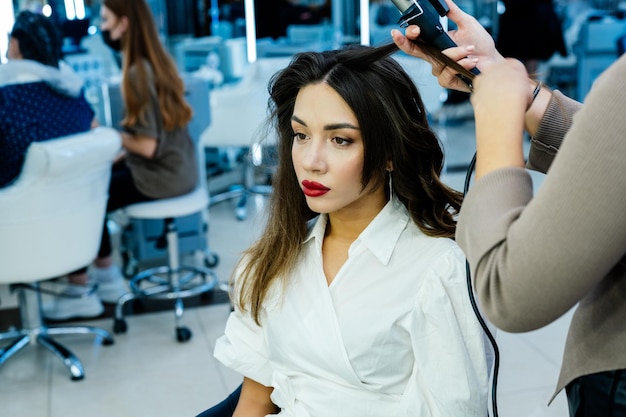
[470, 48]
[414, 31]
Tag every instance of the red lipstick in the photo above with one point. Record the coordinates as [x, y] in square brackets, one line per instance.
[314, 189]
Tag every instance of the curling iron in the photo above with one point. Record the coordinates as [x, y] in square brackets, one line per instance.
[426, 14]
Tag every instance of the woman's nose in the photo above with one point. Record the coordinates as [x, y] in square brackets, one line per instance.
[314, 156]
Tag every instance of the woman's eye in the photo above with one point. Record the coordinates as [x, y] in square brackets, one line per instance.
[299, 136]
[342, 141]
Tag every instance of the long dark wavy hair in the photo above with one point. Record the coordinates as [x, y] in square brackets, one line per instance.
[394, 127]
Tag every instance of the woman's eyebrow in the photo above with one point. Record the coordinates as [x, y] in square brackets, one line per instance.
[333, 126]
[296, 119]
[341, 126]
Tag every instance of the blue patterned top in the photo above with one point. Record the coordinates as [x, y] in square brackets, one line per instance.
[34, 112]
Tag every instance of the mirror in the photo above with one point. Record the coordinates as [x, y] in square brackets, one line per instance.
[284, 27]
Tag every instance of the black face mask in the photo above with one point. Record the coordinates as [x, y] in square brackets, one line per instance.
[116, 44]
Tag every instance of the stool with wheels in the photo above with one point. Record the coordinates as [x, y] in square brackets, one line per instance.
[172, 281]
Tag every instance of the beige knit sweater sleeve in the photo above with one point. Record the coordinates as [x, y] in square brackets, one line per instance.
[534, 257]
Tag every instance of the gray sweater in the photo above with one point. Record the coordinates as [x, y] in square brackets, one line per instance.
[535, 257]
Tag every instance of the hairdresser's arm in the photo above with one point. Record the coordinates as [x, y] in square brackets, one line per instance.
[535, 255]
[552, 119]
[500, 100]
[144, 146]
[254, 400]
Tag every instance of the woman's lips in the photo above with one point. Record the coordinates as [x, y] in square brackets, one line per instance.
[314, 189]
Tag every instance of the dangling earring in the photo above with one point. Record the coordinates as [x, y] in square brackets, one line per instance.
[390, 186]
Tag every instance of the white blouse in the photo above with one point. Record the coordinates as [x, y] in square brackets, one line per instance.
[394, 334]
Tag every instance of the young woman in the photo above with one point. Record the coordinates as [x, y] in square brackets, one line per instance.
[354, 300]
[160, 157]
[535, 257]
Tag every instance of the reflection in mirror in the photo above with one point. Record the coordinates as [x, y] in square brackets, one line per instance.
[284, 27]
[287, 27]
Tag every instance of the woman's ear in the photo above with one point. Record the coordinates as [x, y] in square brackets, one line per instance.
[14, 51]
[389, 166]
[124, 24]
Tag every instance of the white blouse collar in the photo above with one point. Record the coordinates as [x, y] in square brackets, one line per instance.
[380, 236]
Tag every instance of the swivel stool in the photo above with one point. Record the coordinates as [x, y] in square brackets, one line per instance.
[172, 281]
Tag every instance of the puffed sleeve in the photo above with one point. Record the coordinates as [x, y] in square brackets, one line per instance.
[243, 347]
[450, 374]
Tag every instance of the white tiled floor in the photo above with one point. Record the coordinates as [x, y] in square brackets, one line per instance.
[148, 373]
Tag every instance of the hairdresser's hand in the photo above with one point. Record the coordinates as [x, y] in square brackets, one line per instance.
[502, 89]
[500, 99]
[476, 47]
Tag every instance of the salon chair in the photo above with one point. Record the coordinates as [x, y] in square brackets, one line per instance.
[50, 224]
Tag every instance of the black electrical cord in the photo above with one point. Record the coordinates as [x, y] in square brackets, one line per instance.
[492, 339]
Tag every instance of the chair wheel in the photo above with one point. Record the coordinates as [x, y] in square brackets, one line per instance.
[119, 326]
[241, 213]
[183, 334]
[211, 260]
[107, 341]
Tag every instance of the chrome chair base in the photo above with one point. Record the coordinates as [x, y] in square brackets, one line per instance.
[34, 330]
[242, 193]
[170, 282]
[251, 163]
